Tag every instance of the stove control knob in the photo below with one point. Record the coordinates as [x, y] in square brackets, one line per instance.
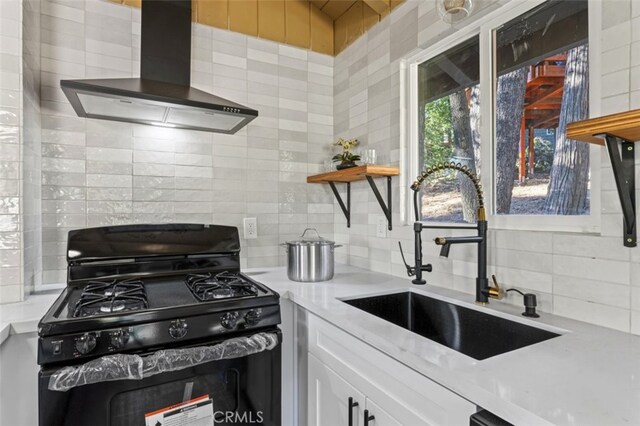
[229, 320]
[119, 338]
[86, 343]
[253, 317]
[178, 329]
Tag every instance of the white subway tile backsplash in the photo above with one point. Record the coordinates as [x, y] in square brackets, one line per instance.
[601, 292]
[590, 246]
[616, 36]
[615, 83]
[230, 60]
[616, 59]
[61, 11]
[108, 181]
[607, 316]
[292, 52]
[109, 49]
[10, 293]
[98, 173]
[615, 104]
[153, 157]
[109, 155]
[148, 144]
[604, 270]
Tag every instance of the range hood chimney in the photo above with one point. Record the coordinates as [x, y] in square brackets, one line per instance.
[162, 96]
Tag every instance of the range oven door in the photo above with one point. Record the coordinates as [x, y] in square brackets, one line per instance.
[244, 391]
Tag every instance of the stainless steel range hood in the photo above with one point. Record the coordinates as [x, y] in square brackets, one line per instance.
[162, 96]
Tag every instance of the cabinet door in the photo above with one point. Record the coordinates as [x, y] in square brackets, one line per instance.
[382, 418]
[329, 397]
[403, 417]
[411, 399]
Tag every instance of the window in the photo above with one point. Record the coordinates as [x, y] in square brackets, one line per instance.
[542, 82]
[448, 117]
[533, 66]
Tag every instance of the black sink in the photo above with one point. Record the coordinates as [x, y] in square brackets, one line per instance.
[465, 330]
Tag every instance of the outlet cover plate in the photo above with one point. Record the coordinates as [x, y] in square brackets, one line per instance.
[381, 227]
[250, 228]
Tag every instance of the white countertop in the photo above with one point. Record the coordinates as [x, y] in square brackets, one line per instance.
[23, 317]
[588, 376]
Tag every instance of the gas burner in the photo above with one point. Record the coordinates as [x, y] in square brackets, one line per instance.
[108, 297]
[223, 285]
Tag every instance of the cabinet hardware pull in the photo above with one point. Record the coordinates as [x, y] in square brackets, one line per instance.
[368, 418]
[352, 405]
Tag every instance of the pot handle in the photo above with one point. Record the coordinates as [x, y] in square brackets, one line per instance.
[311, 229]
[337, 245]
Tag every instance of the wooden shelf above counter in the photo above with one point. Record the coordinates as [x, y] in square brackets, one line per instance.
[618, 133]
[624, 125]
[354, 174]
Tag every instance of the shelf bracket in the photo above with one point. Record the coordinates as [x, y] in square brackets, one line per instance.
[386, 208]
[345, 209]
[622, 156]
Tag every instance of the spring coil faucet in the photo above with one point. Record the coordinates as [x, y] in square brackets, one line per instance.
[483, 290]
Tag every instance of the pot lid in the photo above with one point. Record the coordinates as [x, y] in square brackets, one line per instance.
[311, 239]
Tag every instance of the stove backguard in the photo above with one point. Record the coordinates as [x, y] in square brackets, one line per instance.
[127, 250]
[155, 266]
[136, 241]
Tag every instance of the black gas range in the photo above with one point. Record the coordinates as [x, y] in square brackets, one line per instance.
[135, 290]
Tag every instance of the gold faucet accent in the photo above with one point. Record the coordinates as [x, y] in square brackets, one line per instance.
[495, 292]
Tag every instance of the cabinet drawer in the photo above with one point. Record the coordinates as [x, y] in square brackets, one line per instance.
[394, 386]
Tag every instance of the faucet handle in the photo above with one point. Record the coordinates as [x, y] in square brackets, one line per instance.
[410, 270]
[495, 292]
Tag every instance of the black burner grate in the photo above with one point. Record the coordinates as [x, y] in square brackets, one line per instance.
[108, 297]
[223, 285]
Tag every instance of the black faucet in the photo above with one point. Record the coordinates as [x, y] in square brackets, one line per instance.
[483, 290]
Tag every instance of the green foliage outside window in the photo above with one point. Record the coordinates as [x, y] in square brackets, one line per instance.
[543, 158]
[437, 131]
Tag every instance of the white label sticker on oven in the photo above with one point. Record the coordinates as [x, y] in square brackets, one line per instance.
[196, 412]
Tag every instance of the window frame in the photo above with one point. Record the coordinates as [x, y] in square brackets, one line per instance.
[484, 27]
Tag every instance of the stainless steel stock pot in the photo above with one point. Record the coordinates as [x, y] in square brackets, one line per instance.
[310, 259]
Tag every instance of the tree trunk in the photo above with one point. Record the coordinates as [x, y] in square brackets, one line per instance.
[421, 157]
[509, 109]
[464, 148]
[568, 183]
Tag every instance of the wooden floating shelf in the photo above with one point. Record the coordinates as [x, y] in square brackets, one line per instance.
[618, 133]
[354, 174]
[625, 125]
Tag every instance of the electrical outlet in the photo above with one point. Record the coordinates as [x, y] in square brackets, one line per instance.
[250, 228]
[381, 227]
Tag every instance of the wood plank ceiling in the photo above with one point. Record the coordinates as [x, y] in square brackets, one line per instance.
[325, 26]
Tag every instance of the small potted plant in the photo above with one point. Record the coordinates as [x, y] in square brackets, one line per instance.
[346, 158]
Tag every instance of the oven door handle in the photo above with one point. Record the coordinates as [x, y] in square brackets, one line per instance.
[135, 367]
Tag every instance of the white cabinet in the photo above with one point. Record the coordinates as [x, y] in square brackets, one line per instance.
[332, 400]
[341, 366]
[19, 380]
[329, 397]
[382, 418]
